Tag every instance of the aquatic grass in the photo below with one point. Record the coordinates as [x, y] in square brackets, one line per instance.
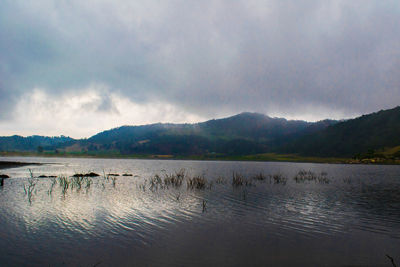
[391, 260]
[113, 180]
[239, 180]
[278, 178]
[155, 182]
[220, 180]
[181, 174]
[64, 183]
[143, 187]
[204, 205]
[30, 187]
[260, 177]
[105, 176]
[53, 183]
[76, 182]
[173, 179]
[88, 182]
[303, 176]
[323, 180]
[197, 182]
[307, 176]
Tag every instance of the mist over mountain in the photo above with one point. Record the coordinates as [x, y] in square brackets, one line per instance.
[242, 134]
[245, 133]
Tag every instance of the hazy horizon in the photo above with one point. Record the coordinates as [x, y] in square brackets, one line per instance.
[182, 122]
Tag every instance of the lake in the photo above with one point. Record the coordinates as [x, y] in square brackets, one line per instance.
[331, 215]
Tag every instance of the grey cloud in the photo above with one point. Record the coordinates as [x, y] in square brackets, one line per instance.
[209, 57]
[107, 104]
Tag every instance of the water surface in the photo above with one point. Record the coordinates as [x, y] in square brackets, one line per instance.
[350, 219]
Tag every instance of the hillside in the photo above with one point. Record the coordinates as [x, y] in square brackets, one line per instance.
[245, 133]
[242, 134]
[32, 143]
[372, 132]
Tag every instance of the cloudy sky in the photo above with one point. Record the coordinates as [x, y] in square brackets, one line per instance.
[78, 67]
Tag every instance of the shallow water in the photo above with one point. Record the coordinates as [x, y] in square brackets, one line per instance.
[354, 220]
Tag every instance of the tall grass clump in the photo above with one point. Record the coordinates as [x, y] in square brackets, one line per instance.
[204, 205]
[174, 179]
[197, 182]
[156, 182]
[64, 183]
[260, 177]
[323, 179]
[303, 176]
[113, 180]
[53, 183]
[105, 176]
[307, 176]
[239, 180]
[76, 182]
[278, 178]
[30, 187]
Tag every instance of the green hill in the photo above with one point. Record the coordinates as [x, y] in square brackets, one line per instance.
[245, 133]
[372, 132]
[33, 143]
[368, 136]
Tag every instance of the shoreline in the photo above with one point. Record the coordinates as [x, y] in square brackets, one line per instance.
[267, 157]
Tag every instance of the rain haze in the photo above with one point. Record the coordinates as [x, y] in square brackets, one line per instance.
[79, 67]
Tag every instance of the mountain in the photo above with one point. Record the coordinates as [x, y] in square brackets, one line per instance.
[376, 131]
[32, 143]
[245, 133]
[242, 134]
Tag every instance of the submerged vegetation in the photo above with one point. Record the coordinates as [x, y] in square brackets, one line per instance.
[307, 176]
[174, 181]
[198, 182]
[239, 180]
[29, 188]
[279, 178]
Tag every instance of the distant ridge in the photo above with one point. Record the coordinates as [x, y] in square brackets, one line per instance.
[32, 143]
[242, 134]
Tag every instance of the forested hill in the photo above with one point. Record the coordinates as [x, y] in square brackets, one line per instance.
[32, 143]
[373, 132]
[242, 134]
[250, 126]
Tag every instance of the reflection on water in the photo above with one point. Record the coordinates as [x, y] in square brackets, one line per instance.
[334, 215]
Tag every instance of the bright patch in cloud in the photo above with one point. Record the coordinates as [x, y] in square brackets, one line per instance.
[85, 113]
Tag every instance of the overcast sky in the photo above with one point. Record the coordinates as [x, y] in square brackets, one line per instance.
[78, 67]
